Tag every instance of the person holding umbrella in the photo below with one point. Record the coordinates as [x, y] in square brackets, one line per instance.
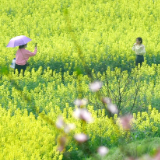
[22, 54]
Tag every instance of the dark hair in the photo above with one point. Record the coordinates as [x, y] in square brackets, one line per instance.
[140, 39]
[22, 46]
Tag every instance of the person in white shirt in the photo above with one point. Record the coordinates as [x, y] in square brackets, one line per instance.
[139, 49]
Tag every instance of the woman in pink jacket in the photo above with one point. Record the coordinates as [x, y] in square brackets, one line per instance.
[22, 57]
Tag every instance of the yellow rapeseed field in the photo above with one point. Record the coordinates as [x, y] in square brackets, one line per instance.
[24, 137]
[106, 31]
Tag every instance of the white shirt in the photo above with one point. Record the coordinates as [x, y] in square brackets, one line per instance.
[139, 49]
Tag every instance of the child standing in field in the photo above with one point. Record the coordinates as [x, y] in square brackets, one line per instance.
[22, 57]
[139, 49]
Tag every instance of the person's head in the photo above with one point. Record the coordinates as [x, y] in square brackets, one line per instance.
[139, 40]
[23, 46]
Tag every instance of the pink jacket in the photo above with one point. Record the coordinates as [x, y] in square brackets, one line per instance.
[23, 55]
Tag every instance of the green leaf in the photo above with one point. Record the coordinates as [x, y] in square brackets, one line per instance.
[4, 70]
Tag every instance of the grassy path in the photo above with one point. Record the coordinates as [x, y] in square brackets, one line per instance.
[145, 146]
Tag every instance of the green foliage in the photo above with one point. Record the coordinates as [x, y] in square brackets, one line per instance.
[137, 148]
[131, 92]
[4, 70]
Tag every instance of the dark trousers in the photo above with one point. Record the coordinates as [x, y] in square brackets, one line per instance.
[139, 60]
[20, 68]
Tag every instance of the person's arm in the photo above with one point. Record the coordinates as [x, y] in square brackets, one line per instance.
[30, 54]
[133, 48]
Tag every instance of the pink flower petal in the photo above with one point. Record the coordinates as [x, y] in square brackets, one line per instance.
[60, 123]
[81, 102]
[69, 127]
[83, 114]
[62, 141]
[77, 113]
[106, 100]
[157, 157]
[81, 138]
[60, 148]
[95, 86]
[86, 116]
[130, 158]
[126, 122]
[102, 151]
[112, 108]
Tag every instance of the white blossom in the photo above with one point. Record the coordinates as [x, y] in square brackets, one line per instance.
[102, 150]
[95, 86]
[81, 138]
